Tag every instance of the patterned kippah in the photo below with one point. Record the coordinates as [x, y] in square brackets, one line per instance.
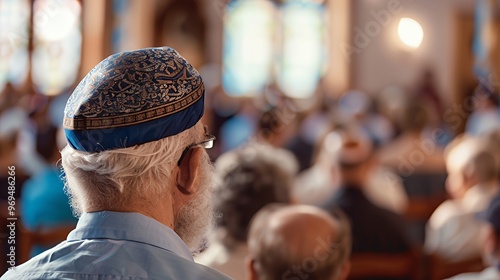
[132, 98]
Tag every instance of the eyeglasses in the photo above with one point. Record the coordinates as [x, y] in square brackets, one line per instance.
[206, 144]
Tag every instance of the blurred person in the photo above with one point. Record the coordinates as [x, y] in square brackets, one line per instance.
[13, 119]
[485, 116]
[472, 182]
[318, 184]
[250, 178]
[357, 107]
[10, 124]
[428, 93]
[44, 204]
[222, 108]
[389, 103]
[278, 127]
[489, 239]
[492, 139]
[298, 242]
[374, 229]
[416, 155]
[309, 129]
[137, 173]
[235, 132]
[7, 159]
[32, 135]
[412, 119]
[273, 128]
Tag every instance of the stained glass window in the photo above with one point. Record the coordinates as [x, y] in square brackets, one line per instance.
[14, 23]
[303, 51]
[57, 44]
[248, 46]
[265, 43]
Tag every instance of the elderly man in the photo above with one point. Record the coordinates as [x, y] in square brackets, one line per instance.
[298, 242]
[250, 178]
[472, 182]
[490, 241]
[136, 171]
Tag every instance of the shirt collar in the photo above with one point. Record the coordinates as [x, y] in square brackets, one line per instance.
[129, 226]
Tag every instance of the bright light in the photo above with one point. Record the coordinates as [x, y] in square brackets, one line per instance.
[410, 32]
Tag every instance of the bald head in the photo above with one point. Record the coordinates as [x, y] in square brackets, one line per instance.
[300, 226]
[298, 241]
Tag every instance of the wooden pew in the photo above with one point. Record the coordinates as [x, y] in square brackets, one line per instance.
[366, 265]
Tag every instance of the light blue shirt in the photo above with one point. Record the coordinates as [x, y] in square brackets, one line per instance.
[116, 245]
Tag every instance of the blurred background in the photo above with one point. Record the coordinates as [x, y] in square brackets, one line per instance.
[284, 72]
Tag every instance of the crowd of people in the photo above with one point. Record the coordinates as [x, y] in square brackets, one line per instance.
[298, 191]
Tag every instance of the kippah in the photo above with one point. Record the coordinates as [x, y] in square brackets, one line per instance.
[132, 98]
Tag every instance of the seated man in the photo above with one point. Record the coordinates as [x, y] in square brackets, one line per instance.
[472, 181]
[298, 242]
[136, 171]
[250, 178]
[374, 229]
[490, 240]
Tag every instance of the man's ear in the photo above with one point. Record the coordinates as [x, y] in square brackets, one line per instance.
[188, 171]
[250, 266]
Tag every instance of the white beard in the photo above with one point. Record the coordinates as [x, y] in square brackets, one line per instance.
[195, 220]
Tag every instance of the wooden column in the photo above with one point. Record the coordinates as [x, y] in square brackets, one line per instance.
[338, 76]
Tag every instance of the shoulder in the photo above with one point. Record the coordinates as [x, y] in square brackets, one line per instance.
[489, 273]
[447, 211]
[84, 259]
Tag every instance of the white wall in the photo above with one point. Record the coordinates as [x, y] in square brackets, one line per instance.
[384, 61]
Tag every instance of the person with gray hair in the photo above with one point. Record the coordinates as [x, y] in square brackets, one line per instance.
[472, 182]
[298, 242]
[250, 178]
[136, 172]
[489, 238]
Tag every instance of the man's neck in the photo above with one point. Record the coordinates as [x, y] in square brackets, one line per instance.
[353, 179]
[159, 210]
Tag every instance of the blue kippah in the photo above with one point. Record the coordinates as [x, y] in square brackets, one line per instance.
[132, 98]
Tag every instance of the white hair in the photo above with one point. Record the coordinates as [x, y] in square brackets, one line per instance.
[114, 179]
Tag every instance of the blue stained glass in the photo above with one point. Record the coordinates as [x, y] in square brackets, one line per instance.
[248, 47]
[303, 53]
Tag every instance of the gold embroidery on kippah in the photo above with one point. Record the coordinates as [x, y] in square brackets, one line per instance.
[151, 114]
[132, 88]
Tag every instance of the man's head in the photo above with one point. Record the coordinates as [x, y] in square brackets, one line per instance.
[352, 150]
[250, 178]
[136, 143]
[303, 242]
[468, 163]
[273, 128]
[491, 232]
